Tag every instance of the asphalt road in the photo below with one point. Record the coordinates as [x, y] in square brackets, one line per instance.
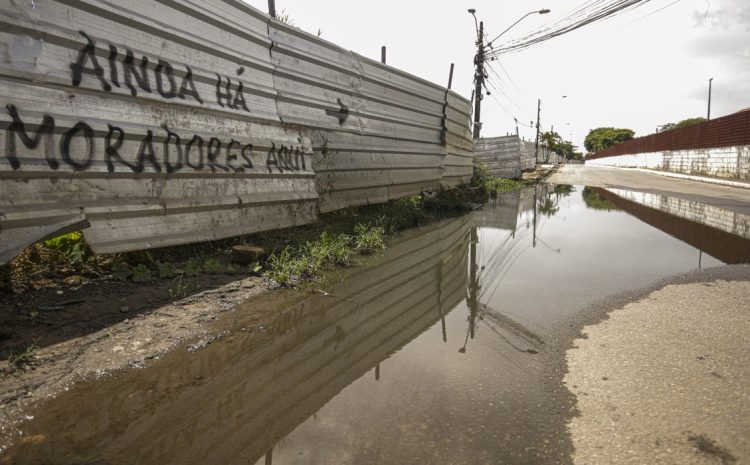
[665, 377]
[729, 198]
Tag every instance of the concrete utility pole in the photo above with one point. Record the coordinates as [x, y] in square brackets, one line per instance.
[709, 99]
[478, 80]
[382, 54]
[538, 114]
[272, 8]
[479, 59]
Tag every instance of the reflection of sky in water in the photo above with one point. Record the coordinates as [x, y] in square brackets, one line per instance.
[581, 256]
[399, 362]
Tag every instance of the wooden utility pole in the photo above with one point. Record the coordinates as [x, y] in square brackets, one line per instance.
[538, 113]
[382, 54]
[272, 8]
[478, 80]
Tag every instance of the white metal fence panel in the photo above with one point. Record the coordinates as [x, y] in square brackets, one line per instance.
[154, 123]
[500, 156]
[459, 159]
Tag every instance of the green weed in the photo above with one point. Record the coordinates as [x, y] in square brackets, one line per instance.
[71, 246]
[141, 274]
[167, 269]
[24, 358]
[178, 289]
[120, 271]
[368, 239]
[192, 268]
[211, 265]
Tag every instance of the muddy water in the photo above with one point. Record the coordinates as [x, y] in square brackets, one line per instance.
[446, 349]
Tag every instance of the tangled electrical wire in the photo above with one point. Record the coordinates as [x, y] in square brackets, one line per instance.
[587, 13]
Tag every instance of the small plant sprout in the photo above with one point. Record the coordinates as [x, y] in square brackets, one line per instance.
[141, 274]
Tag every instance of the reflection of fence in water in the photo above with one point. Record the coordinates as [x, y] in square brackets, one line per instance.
[722, 233]
[507, 228]
[232, 401]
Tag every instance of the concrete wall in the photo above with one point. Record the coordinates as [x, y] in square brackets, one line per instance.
[725, 162]
[148, 124]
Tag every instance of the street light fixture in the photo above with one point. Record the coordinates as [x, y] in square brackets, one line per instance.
[541, 12]
[472, 11]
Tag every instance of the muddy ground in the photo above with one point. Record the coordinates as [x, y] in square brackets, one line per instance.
[60, 334]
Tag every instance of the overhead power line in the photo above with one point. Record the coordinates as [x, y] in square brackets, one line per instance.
[587, 13]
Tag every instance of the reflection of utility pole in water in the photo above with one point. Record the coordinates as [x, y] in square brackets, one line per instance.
[534, 240]
[700, 258]
[269, 457]
[440, 297]
[377, 372]
[473, 287]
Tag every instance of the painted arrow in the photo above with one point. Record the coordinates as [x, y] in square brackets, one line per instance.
[341, 114]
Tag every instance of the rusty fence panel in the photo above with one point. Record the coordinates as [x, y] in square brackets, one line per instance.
[727, 131]
[148, 124]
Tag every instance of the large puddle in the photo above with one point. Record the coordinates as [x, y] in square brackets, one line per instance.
[441, 351]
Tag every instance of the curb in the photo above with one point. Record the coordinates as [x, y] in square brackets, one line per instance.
[690, 177]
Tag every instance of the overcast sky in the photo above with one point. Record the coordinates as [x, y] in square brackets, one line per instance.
[637, 70]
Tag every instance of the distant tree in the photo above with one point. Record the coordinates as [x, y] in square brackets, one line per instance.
[576, 156]
[601, 138]
[682, 124]
[556, 143]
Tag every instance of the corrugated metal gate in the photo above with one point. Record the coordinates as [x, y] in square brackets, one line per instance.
[158, 123]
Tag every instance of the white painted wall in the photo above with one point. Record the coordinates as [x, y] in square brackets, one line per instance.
[725, 162]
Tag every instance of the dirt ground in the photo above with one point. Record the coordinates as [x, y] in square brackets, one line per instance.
[58, 335]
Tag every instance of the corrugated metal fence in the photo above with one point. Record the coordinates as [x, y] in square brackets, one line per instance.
[728, 131]
[508, 156]
[158, 123]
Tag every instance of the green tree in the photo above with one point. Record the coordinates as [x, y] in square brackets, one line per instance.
[682, 124]
[601, 138]
[556, 143]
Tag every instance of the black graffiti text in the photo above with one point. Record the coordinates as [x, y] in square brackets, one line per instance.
[163, 150]
[136, 73]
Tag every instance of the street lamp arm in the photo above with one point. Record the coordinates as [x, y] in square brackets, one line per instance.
[541, 12]
[472, 11]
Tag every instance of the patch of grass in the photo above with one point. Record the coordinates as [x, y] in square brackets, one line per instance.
[293, 265]
[492, 185]
[23, 358]
[298, 253]
[368, 239]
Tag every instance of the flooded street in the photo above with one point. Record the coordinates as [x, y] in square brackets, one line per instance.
[449, 348]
